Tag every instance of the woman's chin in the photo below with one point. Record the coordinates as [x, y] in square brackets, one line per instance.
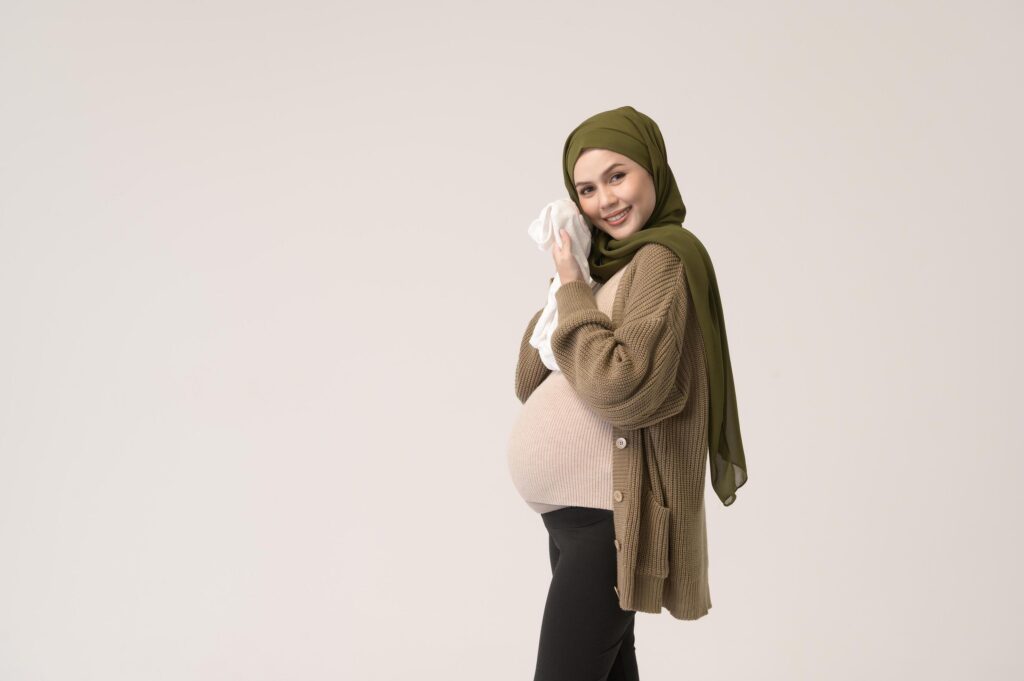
[618, 233]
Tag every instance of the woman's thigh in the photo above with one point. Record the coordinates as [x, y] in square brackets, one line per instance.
[584, 630]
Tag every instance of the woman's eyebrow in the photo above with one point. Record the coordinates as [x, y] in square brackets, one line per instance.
[617, 163]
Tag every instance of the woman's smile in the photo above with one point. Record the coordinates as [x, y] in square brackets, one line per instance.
[617, 219]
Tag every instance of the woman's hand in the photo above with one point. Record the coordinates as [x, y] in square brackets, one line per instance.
[566, 265]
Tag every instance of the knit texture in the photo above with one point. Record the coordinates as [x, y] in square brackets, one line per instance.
[558, 453]
[643, 371]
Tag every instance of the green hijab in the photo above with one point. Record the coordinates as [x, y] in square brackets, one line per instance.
[631, 133]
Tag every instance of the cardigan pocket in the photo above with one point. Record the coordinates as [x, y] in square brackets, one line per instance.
[652, 552]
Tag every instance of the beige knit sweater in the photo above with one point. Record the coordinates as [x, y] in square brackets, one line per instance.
[558, 453]
[643, 371]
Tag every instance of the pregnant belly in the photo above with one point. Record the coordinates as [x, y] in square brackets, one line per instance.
[558, 445]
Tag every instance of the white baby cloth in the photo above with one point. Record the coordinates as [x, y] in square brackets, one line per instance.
[546, 231]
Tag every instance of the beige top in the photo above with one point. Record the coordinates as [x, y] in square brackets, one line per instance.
[643, 371]
[559, 451]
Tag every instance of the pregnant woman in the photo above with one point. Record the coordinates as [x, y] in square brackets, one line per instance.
[611, 449]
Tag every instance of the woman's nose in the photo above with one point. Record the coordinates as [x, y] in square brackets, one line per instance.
[608, 200]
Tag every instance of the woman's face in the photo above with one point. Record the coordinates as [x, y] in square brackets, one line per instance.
[608, 183]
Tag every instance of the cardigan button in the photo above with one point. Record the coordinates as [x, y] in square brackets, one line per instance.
[618, 495]
[618, 546]
[620, 443]
[616, 590]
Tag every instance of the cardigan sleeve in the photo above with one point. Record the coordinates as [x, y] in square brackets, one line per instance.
[530, 369]
[628, 375]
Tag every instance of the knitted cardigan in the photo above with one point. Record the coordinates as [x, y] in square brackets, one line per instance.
[645, 373]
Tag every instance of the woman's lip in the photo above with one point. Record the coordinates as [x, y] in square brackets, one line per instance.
[620, 219]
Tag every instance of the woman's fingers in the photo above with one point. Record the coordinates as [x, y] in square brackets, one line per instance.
[565, 263]
[566, 242]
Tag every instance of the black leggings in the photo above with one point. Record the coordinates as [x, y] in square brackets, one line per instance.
[584, 635]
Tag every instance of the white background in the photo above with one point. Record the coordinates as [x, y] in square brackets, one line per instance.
[263, 275]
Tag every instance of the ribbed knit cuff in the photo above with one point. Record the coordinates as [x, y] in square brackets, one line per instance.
[575, 295]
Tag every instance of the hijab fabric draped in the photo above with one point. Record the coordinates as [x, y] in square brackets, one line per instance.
[627, 131]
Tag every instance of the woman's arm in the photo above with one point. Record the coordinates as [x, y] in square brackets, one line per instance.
[530, 369]
[627, 374]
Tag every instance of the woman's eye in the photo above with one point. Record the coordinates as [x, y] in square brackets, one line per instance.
[584, 190]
